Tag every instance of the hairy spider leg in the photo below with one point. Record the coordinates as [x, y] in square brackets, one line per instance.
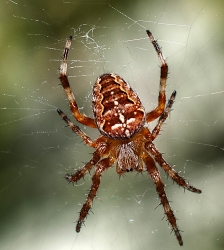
[155, 175]
[152, 115]
[86, 168]
[151, 148]
[101, 166]
[78, 131]
[65, 83]
[163, 116]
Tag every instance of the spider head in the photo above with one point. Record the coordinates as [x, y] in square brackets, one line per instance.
[127, 159]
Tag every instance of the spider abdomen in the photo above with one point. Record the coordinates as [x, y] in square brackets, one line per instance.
[118, 111]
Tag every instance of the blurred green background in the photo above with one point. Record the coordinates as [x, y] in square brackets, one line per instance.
[38, 208]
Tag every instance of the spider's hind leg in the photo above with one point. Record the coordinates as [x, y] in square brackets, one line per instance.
[150, 116]
[163, 116]
[65, 83]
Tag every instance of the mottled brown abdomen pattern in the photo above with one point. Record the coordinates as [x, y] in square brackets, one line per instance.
[118, 111]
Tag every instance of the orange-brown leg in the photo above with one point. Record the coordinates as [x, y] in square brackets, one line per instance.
[163, 116]
[78, 131]
[65, 83]
[155, 175]
[86, 168]
[100, 168]
[151, 148]
[162, 88]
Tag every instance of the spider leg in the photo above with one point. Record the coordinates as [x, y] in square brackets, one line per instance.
[100, 168]
[155, 175]
[151, 148]
[86, 168]
[150, 116]
[163, 116]
[65, 83]
[78, 131]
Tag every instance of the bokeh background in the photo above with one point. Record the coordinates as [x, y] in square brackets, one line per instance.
[38, 208]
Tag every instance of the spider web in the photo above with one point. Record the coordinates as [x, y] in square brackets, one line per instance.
[38, 208]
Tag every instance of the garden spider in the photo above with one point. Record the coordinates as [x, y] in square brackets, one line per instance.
[125, 139]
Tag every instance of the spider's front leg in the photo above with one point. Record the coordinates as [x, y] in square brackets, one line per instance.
[100, 168]
[151, 148]
[86, 168]
[155, 175]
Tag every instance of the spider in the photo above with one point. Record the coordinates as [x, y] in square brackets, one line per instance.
[125, 139]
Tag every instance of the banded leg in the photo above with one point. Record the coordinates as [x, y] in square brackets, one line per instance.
[78, 131]
[155, 175]
[150, 147]
[163, 76]
[86, 168]
[65, 83]
[164, 116]
[100, 168]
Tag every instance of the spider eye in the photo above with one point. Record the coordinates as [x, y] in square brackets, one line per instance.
[129, 170]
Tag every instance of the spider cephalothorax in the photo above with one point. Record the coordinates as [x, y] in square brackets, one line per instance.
[125, 139]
